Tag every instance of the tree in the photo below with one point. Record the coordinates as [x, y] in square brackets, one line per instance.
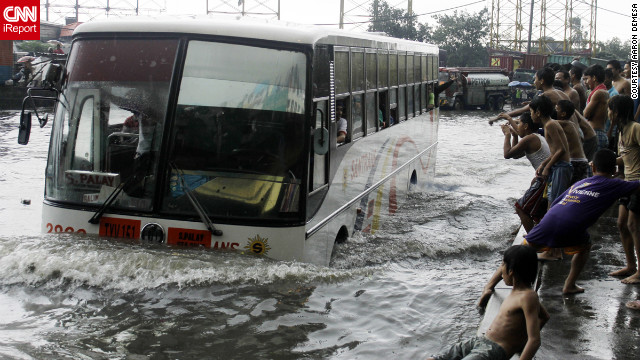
[393, 22]
[33, 46]
[613, 49]
[463, 36]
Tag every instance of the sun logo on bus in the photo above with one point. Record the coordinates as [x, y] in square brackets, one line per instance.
[258, 245]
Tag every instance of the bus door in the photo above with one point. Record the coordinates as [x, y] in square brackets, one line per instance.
[318, 158]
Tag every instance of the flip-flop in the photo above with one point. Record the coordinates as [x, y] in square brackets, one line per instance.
[635, 305]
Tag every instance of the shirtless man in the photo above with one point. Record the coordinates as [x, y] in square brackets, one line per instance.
[516, 327]
[621, 84]
[626, 73]
[576, 75]
[563, 78]
[543, 80]
[581, 168]
[596, 110]
[557, 167]
[590, 142]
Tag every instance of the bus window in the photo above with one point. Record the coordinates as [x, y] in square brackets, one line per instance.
[321, 76]
[372, 113]
[342, 72]
[357, 114]
[423, 67]
[111, 79]
[383, 110]
[417, 75]
[383, 68]
[318, 174]
[416, 96]
[371, 71]
[410, 109]
[393, 69]
[357, 69]
[393, 106]
[402, 69]
[83, 151]
[239, 132]
[434, 67]
[341, 125]
[410, 68]
[401, 103]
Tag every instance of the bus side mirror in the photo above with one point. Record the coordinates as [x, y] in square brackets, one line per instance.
[25, 128]
[320, 141]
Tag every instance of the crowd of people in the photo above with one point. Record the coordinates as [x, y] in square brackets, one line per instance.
[581, 135]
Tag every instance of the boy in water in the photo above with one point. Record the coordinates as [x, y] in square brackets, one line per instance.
[517, 326]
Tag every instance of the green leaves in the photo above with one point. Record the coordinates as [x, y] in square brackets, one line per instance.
[462, 35]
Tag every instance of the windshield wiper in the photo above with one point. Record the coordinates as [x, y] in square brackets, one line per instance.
[195, 203]
[95, 219]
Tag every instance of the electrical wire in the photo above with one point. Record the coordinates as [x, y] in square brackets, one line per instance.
[404, 17]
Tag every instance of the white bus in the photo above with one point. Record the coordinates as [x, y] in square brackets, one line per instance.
[223, 134]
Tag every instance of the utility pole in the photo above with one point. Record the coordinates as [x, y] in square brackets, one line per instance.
[530, 28]
[341, 23]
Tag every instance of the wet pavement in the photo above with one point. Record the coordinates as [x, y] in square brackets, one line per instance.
[595, 324]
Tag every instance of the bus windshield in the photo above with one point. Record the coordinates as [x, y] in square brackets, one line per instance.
[236, 133]
[238, 138]
[109, 122]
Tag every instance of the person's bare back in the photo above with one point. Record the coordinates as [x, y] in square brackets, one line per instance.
[557, 140]
[573, 96]
[555, 95]
[519, 320]
[585, 126]
[573, 139]
[622, 85]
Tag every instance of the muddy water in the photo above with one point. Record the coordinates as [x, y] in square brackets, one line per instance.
[402, 292]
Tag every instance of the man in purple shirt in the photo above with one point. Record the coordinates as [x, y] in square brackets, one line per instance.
[571, 214]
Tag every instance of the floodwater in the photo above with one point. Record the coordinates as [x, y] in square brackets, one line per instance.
[404, 292]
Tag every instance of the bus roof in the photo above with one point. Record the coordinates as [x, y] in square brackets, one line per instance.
[254, 29]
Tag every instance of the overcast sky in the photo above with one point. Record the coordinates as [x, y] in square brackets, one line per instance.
[613, 16]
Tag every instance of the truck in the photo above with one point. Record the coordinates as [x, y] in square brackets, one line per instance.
[473, 87]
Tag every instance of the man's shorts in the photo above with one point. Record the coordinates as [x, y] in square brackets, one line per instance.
[581, 170]
[631, 202]
[603, 140]
[559, 179]
[569, 250]
[476, 348]
[590, 146]
[533, 202]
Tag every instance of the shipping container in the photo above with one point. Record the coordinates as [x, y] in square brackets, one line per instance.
[6, 52]
[534, 61]
[5, 73]
[564, 59]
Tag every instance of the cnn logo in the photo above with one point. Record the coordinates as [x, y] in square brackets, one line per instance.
[20, 20]
[15, 14]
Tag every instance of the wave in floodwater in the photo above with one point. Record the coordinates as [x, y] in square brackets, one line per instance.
[55, 261]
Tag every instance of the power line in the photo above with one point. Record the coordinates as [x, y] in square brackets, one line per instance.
[404, 17]
[611, 11]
